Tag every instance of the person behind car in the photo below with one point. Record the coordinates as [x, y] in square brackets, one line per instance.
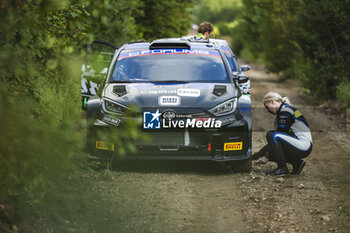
[204, 30]
[290, 142]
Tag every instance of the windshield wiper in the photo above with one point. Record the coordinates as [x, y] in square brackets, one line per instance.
[119, 81]
[169, 81]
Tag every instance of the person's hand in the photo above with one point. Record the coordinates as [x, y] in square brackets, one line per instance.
[263, 160]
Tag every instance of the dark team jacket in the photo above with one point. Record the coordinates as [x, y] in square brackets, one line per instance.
[292, 122]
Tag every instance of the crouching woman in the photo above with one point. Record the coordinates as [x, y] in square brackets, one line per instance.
[290, 142]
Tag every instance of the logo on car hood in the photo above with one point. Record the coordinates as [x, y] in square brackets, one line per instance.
[168, 115]
[168, 120]
[169, 100]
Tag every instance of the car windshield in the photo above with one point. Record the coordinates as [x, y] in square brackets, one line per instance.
[169, 65]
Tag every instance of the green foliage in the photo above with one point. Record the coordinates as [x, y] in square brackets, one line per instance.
[162, 19]
[323, 37]
[343, 93]
[42, 43]
[224, 28]
[308, 40]
[39, 98]
[114, 21]
[216, 11]
[236, 37]
[34, 154]
[265, 32]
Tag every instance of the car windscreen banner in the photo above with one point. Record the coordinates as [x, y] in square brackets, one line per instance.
[137, 53]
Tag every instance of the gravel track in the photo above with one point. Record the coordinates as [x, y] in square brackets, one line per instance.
[175, 196]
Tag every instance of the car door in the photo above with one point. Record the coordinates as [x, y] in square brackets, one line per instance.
[94, 70]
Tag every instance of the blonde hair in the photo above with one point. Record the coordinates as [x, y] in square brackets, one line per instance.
[275, 96]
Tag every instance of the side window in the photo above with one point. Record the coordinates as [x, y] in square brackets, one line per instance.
[127, 69]
[99, 55]
[232, 61]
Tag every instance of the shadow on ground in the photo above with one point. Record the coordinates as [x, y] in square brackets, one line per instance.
[166, 166]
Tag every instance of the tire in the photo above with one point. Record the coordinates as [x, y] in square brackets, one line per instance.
[241, 166]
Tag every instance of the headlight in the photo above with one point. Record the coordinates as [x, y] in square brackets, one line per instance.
[224, 108]
[112, 107]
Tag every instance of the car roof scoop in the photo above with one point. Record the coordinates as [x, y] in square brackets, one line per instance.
[120, 90]
[219, 90]
[166, 44]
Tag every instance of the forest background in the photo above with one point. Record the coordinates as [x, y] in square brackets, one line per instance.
[43, 44]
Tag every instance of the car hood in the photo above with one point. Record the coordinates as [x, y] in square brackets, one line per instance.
[198, 95]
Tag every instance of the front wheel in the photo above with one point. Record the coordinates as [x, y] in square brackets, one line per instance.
[241, 165]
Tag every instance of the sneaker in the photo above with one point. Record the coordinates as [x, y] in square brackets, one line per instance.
[298, 167]
[278, 172]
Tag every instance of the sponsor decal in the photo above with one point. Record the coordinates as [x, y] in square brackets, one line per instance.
[297, 114]
[225, 48]
[88, 87]
[183, 116]
[104, 145]
[168, 149]
[170, 120]
[186, 92]
[228, 120]
[169, 100]
[137, 53]
[189, 92]
[169, 115]
[111, 120]
[85, 101]
[192, 123]
[157, 92]
[283, 121]
[151, 120]
[233, 146]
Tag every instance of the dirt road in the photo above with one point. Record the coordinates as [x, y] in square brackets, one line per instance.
[207, 197]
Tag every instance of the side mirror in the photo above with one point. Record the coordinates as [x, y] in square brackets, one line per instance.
[245, 68]
[242, 78]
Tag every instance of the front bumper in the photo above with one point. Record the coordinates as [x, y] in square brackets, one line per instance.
[184, 144]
